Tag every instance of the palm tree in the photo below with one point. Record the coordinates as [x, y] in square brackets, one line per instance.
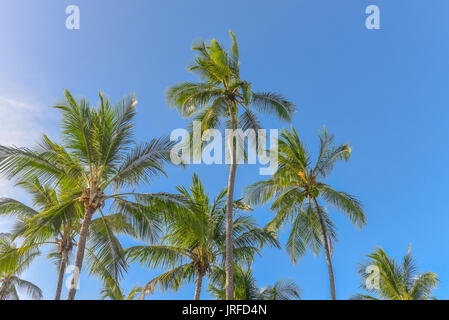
[222, 94]
[246, 287]
[13, 261]
[60, 232]
[97, 162]
[111, 287]
[283, 289]
[245, 284]
[395, 281]
[114, 292]
[297, 186]
[195, 240]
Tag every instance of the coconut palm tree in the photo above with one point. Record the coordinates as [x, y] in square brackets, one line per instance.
[98, 161]
[283, 289]
[13, 261]
[297, 186]
[111, 287]
[58, 232]
[390, 280]
[246, 286]
[222, 94]
[195, 240]
[111, 291]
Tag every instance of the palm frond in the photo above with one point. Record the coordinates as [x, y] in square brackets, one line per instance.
[273, 103]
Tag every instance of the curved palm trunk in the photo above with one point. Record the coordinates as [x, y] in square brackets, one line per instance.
[4, 287]
[62, 266]
[229, 264]
[198, 285]
[326, 247]
[80, 251]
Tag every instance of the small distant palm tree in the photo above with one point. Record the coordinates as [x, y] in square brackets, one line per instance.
[245, 284]
[13, 262]
[395, 281]
[297, 186]
[98, 161]
[112, 290]
[195, 240]
[223, 95]
[282, 290]
[246, 287]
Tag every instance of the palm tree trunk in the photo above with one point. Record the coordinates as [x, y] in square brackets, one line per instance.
[229, 213]
[62, 266]
[198, 284]
[326, 247]
[80, 251]
[4, 288]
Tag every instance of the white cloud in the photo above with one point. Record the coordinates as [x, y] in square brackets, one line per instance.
[21, 124]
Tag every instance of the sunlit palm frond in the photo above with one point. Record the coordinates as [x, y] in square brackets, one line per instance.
[281, 290]
[344, 202]
[395, 281]
[143, 163]
[273, 103]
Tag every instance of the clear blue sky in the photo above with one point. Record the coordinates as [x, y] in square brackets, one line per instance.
[383, 91]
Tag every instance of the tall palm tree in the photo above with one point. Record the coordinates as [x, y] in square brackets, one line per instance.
[297, 186]
[98, 161]
[396, 281]
[195, 240]
[222, 94]
[246, 287]
[13, 261]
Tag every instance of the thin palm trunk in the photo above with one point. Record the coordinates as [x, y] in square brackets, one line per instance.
[80, 252]
[198, 285]
[229, 213]
[62, 267]
[4, 287]
[326, 249]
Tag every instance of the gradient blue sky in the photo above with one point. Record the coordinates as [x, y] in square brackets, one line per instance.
[383, 91]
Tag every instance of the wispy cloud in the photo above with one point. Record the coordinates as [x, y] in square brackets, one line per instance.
[21, 125]
[20, 122]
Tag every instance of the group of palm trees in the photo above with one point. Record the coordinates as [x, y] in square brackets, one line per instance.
[83, 198]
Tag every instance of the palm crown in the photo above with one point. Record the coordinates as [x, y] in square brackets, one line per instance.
[13, 261]
[58, 230]
[246, 286]
[222, 92]
[195, 240]
[396, 281]
[296, 187]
